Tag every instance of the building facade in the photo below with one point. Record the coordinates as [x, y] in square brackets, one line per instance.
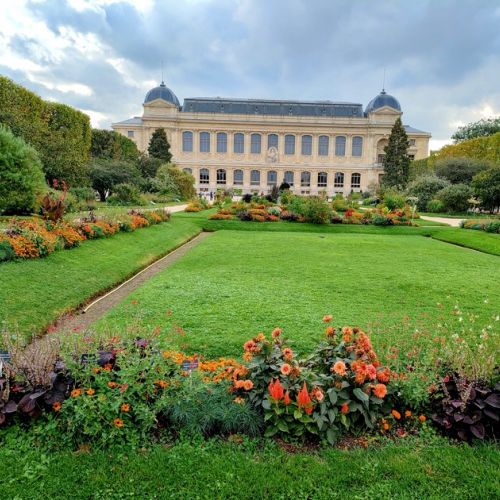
[253, 145]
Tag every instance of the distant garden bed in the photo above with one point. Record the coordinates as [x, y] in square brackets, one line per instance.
[488, 225]
[37, 237]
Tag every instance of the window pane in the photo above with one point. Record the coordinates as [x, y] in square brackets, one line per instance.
[272, 141]
[130, 133]
[323, 145]
[307, 144]
[338, 180]
[204, 176]
[204, 142]
[238, 177]
[288, 178]
[289, 144]
[221, 176]
[221, 142]
[357, 146]
[239, 143]
[322, 178]
[305, 179]
[255, 144]
[255, 178]
[187, 141]
[340, 146]
[272, 178]
[355, 180]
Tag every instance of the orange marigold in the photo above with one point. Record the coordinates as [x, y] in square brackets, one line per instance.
[239, 400]
[327, 318]
[118, 422]
[57, 406]
[339, 368]
[90, 392]
[112, 385]
[396, 414]
[330, 331]
[75, 393]
[422, 418]
[287, 354]
[407, 413]
[276, 333]
[247, 385]
[285, 369]
[125, 407]
[247, 356]
[347, 334]
[249, 346]
[380, 390]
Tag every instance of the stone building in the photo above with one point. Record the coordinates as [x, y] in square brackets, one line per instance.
[254, 144]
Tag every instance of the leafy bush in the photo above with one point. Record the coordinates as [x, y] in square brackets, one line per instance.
[381, 220]
[425, 189]
[316, 210]
[460, 170]
[339, 204]
[246, 198]
[21, 176]
[393, 200]
[172, 181]
[490, 226]
[486, 186]
[85, 194]
[435, 206]
[126, 194]
[456, 197]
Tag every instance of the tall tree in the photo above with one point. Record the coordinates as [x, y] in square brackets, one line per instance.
[110, 145]
[396, 160]
[159, 146]
[481, 128]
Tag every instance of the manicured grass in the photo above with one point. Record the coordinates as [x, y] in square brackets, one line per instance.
[236, 284]
[459, 215]
[469, 238]
[33, 293]
[212, 469]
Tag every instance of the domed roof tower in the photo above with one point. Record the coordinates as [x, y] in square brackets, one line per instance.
[162, 92]
[383, 99]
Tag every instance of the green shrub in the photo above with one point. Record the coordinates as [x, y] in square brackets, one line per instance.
[492, 227]
[435, 206]
[317, 210]
[173, 182]
[339, 204]
[425, 189]
[455, 198]
[394, 200]
[486, 186]
[126, 194]
[6, 251]
[21, 175]
[83, 193]
[460, 170]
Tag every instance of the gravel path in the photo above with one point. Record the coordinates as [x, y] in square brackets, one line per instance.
[445, 220]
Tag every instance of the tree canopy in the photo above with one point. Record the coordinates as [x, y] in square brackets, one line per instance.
[106, 174]
[159, 146]
[110, 145]
[460, 170]
[396, 159]
[486, 186]
[481, 128]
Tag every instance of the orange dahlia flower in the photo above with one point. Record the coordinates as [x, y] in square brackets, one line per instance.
[285, 369]
[276, 333]
[339, 368]
[422, 418]
[380, 390]
[247, 385]
[396, 414]
[327, 318]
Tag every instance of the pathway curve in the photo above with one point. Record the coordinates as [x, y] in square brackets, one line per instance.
[83, 318]
[444, 220]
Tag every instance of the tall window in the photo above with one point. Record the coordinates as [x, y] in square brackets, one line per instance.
[412, 142]
[355, 180]
[338, 180]
[340, 145]
[323, 145]
[204, 176]
[289, 144]
[187, 170]
[322, 178]
[239, 143]
[221, 142]
[272, 141]
[221, 176]
[238, 177]
[272, 178]
[187, 141]
[305, 179]
[288, 177]
[380, 158]
[255, 178]
[204, 142]
[255, 144]
[357, 146]
[307, 142]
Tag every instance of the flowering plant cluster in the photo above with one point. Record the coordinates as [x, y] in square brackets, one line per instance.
[340, 387]
[33, 238]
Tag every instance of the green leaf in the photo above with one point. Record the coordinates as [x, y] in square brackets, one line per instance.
[361, 395]
[270, 431]
[266, 404]
[332, 414]
[332, 394]
[331, 436]
[297, 414]
[282, 426]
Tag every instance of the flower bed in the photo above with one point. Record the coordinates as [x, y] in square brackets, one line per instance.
[33, 238]
[488, 225]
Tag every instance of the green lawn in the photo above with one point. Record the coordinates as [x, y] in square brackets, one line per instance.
[33, 293]
[236, 284]
[215, 470]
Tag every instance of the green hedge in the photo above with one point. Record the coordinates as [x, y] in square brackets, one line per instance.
[59, 133]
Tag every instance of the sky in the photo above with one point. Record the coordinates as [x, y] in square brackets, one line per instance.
[441, 57]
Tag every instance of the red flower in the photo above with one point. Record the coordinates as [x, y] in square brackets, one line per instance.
[327, 318]
[344, 408]
[287, 399]
[303, 398]
[276, 333]
[276, 389]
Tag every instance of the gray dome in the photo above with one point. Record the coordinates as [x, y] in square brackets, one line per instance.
[161, 92]
[382, 100]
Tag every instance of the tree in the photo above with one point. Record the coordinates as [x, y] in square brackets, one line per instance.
[106, 174]
[396, 160]
[21, 174]
[159, 146]
[481, 128]
[148, 166]
[456, 197]
[110, 145]
[486, 186]
[172, 181]
[425, 189]
[460, 170]
[480, 148]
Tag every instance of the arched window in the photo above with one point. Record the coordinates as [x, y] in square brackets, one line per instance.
[221, 176]
[255, 178]
[272, 178]
[340, 145]
[288, 177]
[238, 177]
[355, 180]
[305, 179]
[289, 144]
[221, 142]
[239, 143]
[187, 141]
[187, 170]
[323, 145]
[204, 142]
[272, 141]
[307, 142]
[357, 146]
[322, 178]
[255, 144]
[204, 176]
[338, 180]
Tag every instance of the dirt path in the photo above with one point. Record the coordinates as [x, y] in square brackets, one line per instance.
[445, 220]
[83, 318]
